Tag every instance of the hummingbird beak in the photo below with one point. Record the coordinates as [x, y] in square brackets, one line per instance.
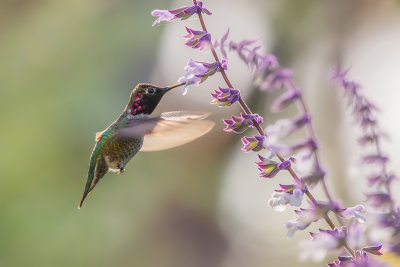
[166, 89]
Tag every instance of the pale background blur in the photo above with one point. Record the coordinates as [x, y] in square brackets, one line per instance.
[66, 71]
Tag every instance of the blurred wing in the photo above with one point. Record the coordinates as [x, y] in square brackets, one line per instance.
[164, 136]
[170, 130]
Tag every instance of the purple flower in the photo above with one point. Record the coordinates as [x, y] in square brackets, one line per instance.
[284, 127]
[240, 124]
[354, 212]
[280, 198]
[373, 250]
[197, 72]
[253, 143]
[379, 199]
[294, 225]
[197, 39]
[313, 179]
[319, 246]
[180, 13]
[276, 79]
[376, 158]
[368, 138]
[309, 145]
[360, 259]
[225, 97]
[284, 100]
[268, 168]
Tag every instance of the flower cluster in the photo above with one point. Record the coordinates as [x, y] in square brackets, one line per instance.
[381, 179]
[302, 154]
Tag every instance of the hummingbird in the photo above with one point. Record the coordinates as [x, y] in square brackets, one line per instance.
[135, 131]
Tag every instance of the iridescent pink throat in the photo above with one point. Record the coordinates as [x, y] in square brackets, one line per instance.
[138, 106]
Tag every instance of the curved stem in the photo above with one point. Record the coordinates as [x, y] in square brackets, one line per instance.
[303, 108]
[261, 132]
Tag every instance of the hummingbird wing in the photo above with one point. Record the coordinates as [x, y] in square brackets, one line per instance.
[171, 129]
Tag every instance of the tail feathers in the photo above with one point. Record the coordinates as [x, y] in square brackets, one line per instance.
[88, 186]
[96, 171]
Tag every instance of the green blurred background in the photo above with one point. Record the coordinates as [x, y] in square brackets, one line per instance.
[66, 71]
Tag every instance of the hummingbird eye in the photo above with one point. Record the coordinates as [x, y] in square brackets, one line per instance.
[150, 90]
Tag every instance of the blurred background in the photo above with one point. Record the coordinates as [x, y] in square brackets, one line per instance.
[66, 71]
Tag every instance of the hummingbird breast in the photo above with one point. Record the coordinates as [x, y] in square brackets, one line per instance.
[120, 151]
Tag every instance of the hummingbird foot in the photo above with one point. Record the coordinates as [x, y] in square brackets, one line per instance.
[121, 170]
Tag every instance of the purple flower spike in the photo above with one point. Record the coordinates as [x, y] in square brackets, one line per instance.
[197, 39]
[182, 13]
[225, 97]
[268, 168]
[373, 250]
[197, 72]
[253, 143]
[284, 100]
[242, 123]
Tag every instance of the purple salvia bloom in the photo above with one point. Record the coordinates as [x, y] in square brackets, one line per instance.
[360, 259]
[284, 127]
[197, 72]
[319, 246]
[379, 200]
[279, 200]
[253, 143]
[373, 250]
[313, 179]
[309, 145]
[368, 138]
[378, 159]
[224, 63]
[182, 13]
[225, 97]
[288, 188]
[276, 80]
[354, 212]
[268, 168]
[284, 100]
[285, 165]
[294, 225]
[265, 66]
[197, 39]
[242, 123]
[222, 43]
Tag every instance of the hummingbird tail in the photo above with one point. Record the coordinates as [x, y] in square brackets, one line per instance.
[96, 171]
[82, 200]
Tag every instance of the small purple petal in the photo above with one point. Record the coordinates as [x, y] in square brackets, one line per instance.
[182, 13]
[373, 250]
[253, 143]
[284, 100]
[197, 39]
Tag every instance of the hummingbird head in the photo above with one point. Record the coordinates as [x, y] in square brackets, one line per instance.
[145, 97]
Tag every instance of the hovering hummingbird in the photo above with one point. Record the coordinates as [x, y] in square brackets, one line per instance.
[135, 130]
